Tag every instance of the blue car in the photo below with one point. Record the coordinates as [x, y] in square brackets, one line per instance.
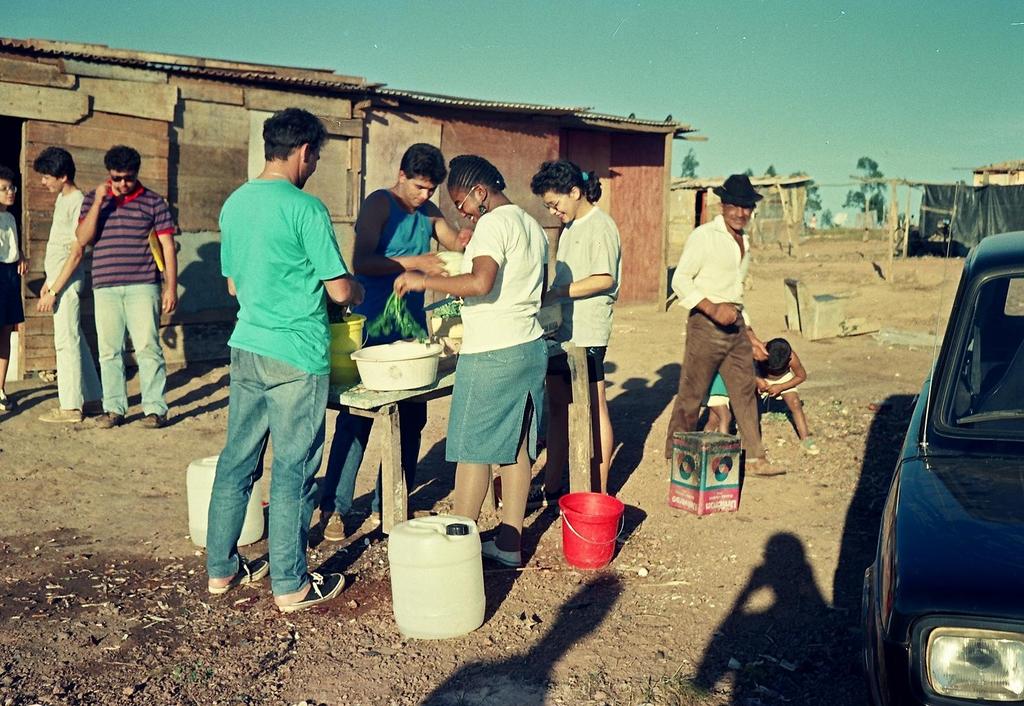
[943, 601]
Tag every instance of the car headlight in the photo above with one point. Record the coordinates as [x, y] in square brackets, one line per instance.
[986, 665]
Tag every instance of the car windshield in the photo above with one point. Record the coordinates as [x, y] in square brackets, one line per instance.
[988, 394]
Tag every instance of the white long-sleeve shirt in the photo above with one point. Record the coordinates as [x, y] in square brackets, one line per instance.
[711, 266]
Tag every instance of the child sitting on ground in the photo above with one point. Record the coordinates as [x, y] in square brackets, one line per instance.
[717, 403]
[778, 378]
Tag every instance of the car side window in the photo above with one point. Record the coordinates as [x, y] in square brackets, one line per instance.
[989, 391]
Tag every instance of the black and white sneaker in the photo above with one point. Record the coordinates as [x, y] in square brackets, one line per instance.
[6, 403]
[321, 590]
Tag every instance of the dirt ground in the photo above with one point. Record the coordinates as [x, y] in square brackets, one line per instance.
[103, 599]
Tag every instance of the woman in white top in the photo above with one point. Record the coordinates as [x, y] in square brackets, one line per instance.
[587, 276]
[499, 380]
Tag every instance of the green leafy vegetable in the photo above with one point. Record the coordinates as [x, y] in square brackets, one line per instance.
[395, 319]
[450, 309]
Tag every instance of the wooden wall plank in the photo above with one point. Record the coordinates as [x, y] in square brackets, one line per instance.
[387, 137]
[43, 103]
[35, 73]
[330, 181]
[515, 147]
[351, 127]
[638, 207]
[144, 100]
[86, 134]
[129, 125]
[213, 153]
[209, 91]
[113, 71]
[213, 124]
[271, 100]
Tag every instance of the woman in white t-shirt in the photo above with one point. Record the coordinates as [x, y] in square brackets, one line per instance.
[588, 271]
[499, 380]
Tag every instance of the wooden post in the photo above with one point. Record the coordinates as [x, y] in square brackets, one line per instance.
[394, 507]
[906, 224]
[867, 197]
[891, 226]
[581, 444]
[786, 217]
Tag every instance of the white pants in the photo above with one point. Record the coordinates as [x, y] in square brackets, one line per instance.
[77, 381]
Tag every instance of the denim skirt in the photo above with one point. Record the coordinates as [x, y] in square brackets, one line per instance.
[492, 390]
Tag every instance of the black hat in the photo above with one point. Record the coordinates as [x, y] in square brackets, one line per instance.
[738, 191]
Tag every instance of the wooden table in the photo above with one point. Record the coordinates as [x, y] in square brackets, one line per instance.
[383, 407]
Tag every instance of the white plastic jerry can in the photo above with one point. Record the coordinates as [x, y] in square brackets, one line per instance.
[199, 483]
[437, 577]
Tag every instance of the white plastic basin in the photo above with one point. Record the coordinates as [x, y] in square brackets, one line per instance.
[403, 365]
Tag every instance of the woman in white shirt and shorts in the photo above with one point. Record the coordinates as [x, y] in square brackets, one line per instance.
[588, 272]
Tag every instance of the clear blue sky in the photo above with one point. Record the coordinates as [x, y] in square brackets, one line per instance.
[922, 87]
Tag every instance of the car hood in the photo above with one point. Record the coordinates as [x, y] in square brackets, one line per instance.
[959, 538]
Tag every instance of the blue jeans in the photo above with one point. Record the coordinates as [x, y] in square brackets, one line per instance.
[350, 436]
[77, 381]
[268, 397]
[135, 308]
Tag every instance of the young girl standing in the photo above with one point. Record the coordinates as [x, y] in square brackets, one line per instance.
[587, 276]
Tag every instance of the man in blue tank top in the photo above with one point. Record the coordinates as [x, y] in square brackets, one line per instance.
[393, 233]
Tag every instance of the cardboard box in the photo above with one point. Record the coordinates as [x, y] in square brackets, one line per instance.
[704, 475]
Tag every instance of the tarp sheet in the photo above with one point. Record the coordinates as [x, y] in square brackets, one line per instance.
[979, 211]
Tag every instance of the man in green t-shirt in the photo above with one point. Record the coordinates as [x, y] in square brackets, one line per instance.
[280, 255]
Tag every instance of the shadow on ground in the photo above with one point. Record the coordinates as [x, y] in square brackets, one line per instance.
[524, 679]
[639, 403]
[782, 641]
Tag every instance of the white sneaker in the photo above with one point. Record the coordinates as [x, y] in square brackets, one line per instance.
[62, 416]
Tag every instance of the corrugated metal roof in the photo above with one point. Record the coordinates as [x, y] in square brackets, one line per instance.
[473, 103]
[710, 182]
[580, 112]
[193, 66]
[317, 79]
[1012, 165]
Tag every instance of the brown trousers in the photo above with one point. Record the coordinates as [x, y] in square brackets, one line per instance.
[711, 348]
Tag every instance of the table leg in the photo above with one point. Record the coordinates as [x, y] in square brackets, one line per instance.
[394, 503]
[581, 445]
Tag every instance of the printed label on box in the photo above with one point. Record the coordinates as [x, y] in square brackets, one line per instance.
[704, 473]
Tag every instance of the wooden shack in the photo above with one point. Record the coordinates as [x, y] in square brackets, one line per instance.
[197, 123]
[778, 218]
[1009, 173]
[631, 156]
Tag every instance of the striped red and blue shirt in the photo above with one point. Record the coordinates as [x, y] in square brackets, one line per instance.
[121, 253]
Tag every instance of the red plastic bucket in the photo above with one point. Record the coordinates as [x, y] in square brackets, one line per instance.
[590, 525]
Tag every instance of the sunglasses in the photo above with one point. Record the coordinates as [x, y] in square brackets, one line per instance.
[122, 177]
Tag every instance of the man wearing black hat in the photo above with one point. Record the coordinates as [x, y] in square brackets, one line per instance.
[709, 282]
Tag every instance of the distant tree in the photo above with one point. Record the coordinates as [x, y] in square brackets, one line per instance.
[749, 172]
[813, 203]
[690, 164]
[770, 171]
[826, 218]
[873, 194]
